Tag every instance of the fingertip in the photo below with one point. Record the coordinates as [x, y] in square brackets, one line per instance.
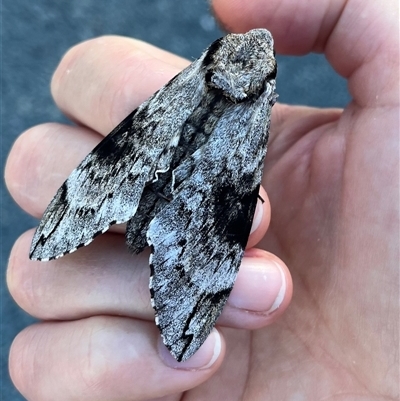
[209, 355]
[262, 291]
[261, 219]
[262, 283]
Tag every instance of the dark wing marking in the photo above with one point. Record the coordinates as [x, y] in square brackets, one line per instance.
[107, 186]
[198, 238]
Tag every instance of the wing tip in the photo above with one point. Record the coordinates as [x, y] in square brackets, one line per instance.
[39, 253]
[179, 353]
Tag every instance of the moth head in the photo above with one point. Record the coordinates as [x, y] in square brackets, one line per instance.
[241, 65]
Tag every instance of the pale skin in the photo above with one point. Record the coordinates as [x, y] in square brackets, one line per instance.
[332, 181]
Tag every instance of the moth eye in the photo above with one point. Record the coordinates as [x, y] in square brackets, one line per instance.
[243, 62]
[272, 75]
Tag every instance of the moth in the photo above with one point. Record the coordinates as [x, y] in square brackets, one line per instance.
[183, 170]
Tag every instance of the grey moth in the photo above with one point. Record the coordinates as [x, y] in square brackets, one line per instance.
[183, 171]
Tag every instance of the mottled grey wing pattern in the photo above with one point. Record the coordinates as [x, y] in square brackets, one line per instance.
[198, 238]
[184, 171]
[107, 186]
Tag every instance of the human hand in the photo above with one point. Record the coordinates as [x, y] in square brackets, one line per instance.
[327, 225]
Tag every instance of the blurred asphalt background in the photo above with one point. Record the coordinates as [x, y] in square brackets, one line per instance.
[35, 34]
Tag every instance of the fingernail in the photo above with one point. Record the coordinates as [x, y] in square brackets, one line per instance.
[258, 215]
[259, 287]
[205, 357]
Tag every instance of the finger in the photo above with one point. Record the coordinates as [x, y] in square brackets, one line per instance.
[105, 279]
[104, 358]
[100, 81]
[358, 37]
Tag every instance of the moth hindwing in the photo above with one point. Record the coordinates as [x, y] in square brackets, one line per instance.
[183, 170]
